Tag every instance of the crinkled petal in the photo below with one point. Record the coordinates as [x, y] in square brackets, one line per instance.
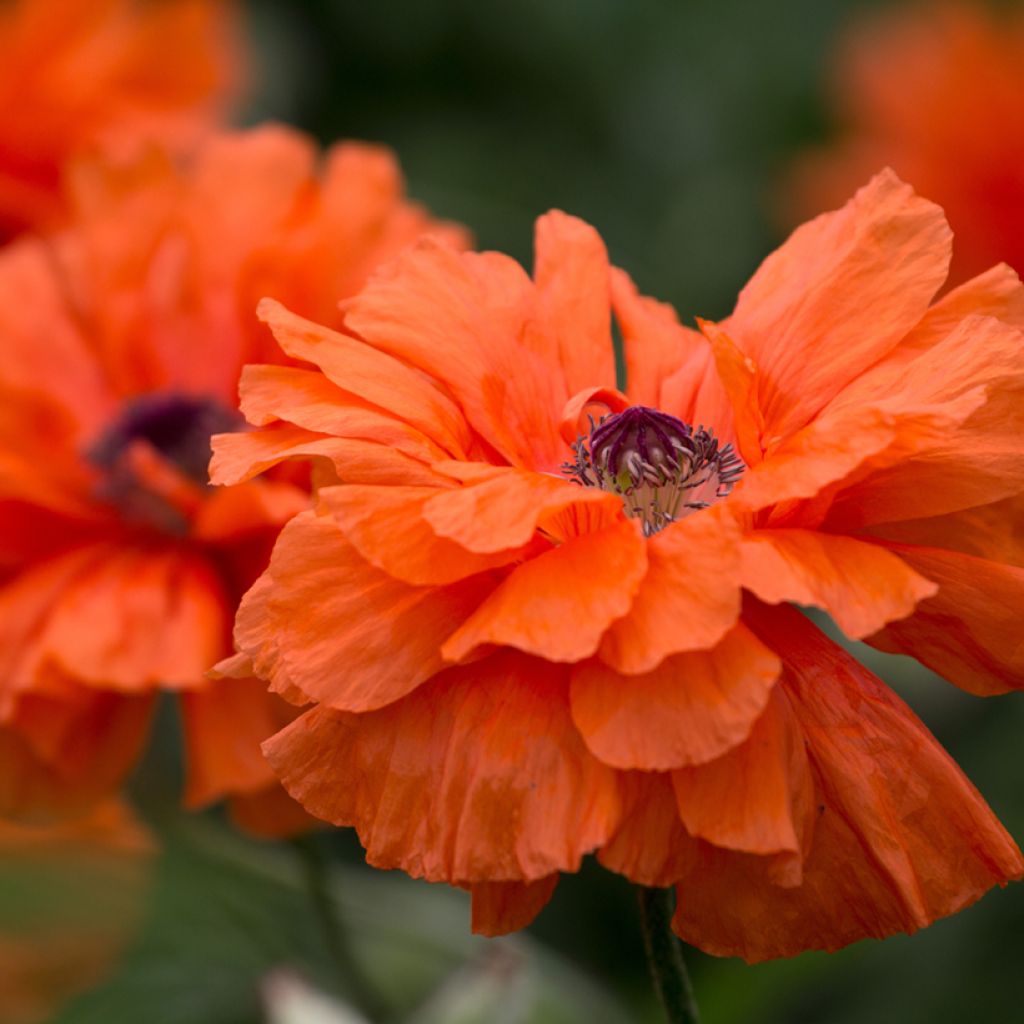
[503, 907]
[692, 708]
[462, 319]
[573, 297]
[861, 585]
[901, 837]
[970, 631]
[364, 372]
[837, 296]
[689, 598]
[325, 621]
[388, 527]
[478, 776]
[757, 797]
[559, 604]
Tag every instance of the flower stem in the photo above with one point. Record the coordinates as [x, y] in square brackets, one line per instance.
[665, 956]
[316, 873]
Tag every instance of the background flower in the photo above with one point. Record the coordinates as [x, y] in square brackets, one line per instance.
[103, 75]
[123, 339]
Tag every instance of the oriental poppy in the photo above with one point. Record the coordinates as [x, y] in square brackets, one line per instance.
[122, 341]
[540, 616]
[935, 91]
[103, 75]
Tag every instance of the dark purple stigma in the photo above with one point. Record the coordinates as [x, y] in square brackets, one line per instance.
[640, 438]
[661, 467]
[178, 426]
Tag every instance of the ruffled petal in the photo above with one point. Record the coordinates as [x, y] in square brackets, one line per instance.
[478, 776]
[977, 459]
[309, 400]
[62, 752]
[363, 372]
[837, 296]
[240, 457]
[861, 585]
[650, 845]
[757, 797]
[573, 297]
[689, 598]
[502, 507]
[224, 724]
[462, 319]
[388, 528]
[692, 708]
[116, 618]
[559, 604]
[970, 632]
[325, 621]
[503, 907]
[901, 837]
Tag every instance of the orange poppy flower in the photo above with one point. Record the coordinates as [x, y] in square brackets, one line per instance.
[123, 339]
[937, 93]
[77, 76]
[541, 617]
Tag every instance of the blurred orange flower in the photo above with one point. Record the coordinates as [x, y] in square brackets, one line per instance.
[80, 889]
[123, 338]
[935, 91]
[78, 75]
[540, 617]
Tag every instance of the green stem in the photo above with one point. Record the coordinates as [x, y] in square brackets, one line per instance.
[665, 956]
[316, 872]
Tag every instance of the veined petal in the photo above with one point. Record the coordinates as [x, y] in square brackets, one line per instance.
[325, 621]
[559, 604]
[757, 797]
[240, 457]
[656, 345]
[462, 319]
[689, 598]
[503, 509]
[478, 776]
[388, 527]
[573, 297]
[861, 585]
[369, 374]
[503, 907]
[970, 630]
[309, 400]
[837, 296]
[901, 837]
[692, 708]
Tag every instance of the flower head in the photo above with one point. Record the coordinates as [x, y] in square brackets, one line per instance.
[123, 337]
[110, 75]
[935, 91]
[510, 670]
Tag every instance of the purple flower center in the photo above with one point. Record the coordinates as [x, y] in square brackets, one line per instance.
[662, 468]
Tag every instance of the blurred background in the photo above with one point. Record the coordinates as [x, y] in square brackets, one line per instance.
[671, 126]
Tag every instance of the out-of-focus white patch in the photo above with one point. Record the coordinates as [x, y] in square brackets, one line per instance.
[289, 999]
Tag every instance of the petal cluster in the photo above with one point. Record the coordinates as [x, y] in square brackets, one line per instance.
[123, 337]
[506, 674]
[110, 75]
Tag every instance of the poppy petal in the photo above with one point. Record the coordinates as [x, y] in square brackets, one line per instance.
[477, 776]
[692, 708]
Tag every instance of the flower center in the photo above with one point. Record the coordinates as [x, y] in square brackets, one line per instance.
[155, 456]
[661, 468]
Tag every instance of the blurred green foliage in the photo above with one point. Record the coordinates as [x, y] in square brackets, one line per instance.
[666, 123]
